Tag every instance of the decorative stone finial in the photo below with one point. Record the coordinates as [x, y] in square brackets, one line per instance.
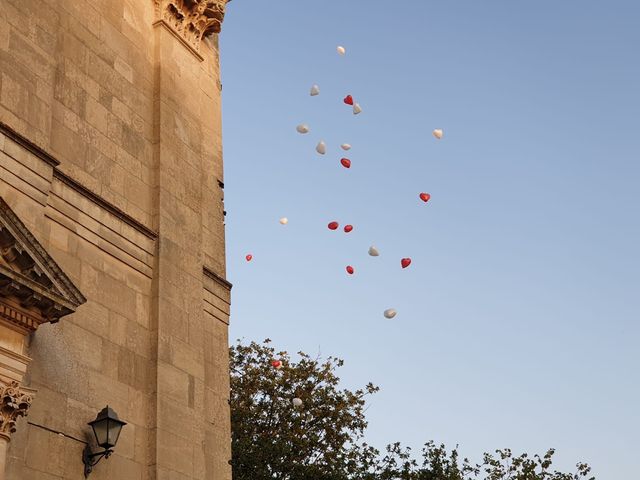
[192, 19]
[14, 403]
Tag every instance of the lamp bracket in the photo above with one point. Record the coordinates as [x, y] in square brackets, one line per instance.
[90, 459]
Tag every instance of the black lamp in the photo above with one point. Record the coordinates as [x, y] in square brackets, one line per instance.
[106, 427]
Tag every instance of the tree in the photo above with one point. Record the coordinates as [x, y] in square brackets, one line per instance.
[322, 439]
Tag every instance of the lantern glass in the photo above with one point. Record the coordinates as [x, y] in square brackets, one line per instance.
[107, 427]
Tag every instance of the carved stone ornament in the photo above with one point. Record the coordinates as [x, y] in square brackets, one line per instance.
[14, 403]
[33, 288]
[192, 19]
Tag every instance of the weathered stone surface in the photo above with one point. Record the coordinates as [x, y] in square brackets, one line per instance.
[116, 171]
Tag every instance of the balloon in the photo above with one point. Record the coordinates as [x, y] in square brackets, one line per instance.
[345, 146]
[348, 228]
[303, 128]
[346, 163]
[348, 100]
[438, 133]
[284, 220]
[356, 109]
[277, 364]
[341, 50]
[296, 402]
[249, 257]
[405, 262]
[373, 251]
[350, 270]
[321, 148]
[333, 226]
[390, 313]
[425, 197]
[315, 90]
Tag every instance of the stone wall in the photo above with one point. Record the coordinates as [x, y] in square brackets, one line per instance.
[111, 154]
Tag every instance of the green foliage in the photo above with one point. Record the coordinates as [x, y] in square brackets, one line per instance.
[322, 439]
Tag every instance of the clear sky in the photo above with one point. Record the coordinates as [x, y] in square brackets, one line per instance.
[518, 320]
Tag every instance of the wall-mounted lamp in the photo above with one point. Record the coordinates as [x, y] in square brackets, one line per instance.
[106, 427]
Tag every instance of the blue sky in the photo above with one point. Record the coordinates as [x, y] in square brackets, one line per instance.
[518, 319]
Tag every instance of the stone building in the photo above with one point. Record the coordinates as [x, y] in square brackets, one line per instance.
[112, 261]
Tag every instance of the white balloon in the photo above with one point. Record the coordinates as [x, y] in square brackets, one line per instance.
[438, 133]
[297, 402]
[315, 90]
[284, 220]
[390, 313]
[321, 148]
[356, 108]
[373, 251]
[345, 146]
[303, 128]
[341, 50]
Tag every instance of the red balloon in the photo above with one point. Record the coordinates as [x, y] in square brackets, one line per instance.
[348, 228]
[348, 100]
[350, 270]
[405, 262]
[249, 257]
[346, 163]
[333, 226]
[276, 363]
[425, 197]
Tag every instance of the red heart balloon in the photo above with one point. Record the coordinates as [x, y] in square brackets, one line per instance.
[348, 228]
[405, 262]
[350, 270]
[249, 257]
[333, 226]
[276, 363]
[348, 100]
[425, 197]
[346, 163]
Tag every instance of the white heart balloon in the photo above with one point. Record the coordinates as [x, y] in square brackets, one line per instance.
[315, 90]
[356, 109]
[297, 402]
[438, 133]
[303, 128]
[321, 148]
[390, 313]
[284, 220]
[341, 50]
[345, 146]
[373, 251]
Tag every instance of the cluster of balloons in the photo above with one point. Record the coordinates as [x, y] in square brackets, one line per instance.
[321, 149]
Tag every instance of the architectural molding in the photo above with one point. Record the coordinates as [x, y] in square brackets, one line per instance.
[14, 403]
[33, 288]
[208, 272]
[192, 20]
[9, 132]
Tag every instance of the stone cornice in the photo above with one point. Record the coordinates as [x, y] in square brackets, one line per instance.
[14, 403]
[192, 20]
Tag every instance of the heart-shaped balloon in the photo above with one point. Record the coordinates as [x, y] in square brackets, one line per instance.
[350, 270]
[303, 128]
[346, 163]
[373, 251]
[321, 148]
[249, 257]
[345, 146]
[390, 313]
[405, 262]
[348, 100]
[341, 50]
[425, 197]
[276, 364]
[297, 402]
[315, 90]
[356, 109]
[438, 133]
[333, 226]
[284, 220]
[348, 228]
